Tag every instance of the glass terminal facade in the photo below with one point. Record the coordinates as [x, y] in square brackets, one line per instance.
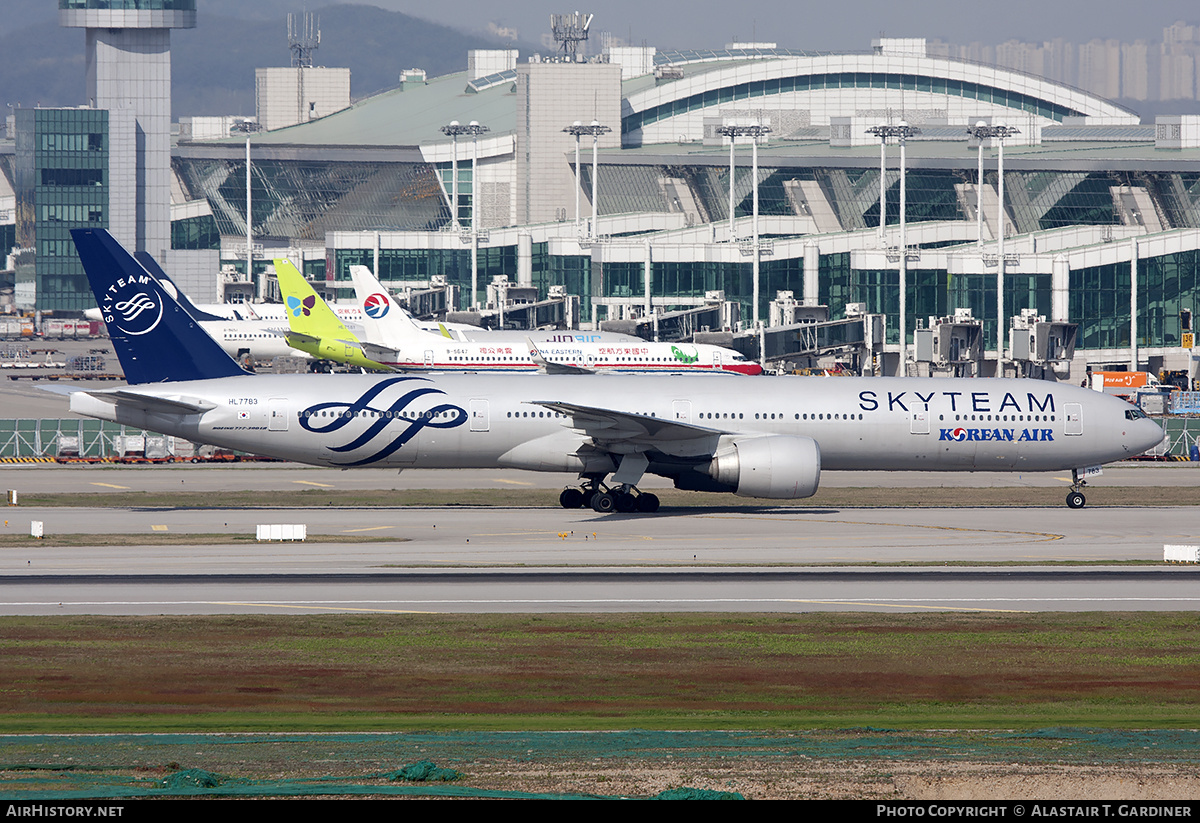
[61, 182]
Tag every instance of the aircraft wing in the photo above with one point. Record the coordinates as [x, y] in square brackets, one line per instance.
[149, 403]
[630, 431]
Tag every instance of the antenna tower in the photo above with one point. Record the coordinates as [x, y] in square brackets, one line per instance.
[303, 38]
[569, 30]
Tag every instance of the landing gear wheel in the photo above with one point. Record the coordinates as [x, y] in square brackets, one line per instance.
[647, 503]
[603, 503]
[1076, 500]
[571, 499]
[626, 502]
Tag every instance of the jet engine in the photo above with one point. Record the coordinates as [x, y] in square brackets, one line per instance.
[778, 467]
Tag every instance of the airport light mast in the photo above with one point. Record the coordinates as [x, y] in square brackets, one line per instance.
[595, 130]
[900, 133]
[982, 132]
[755, 131]
[452, 130]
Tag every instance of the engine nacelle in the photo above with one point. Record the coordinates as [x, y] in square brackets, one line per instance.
[777, 467]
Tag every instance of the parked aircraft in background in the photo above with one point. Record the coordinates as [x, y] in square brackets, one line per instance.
[388, 325]
[273, 316]
[703, 433]
[313, 327]
[244, 339]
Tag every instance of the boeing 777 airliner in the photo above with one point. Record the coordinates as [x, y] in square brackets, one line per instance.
[705, 434]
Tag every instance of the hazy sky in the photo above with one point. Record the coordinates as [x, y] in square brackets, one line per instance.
[823, 25]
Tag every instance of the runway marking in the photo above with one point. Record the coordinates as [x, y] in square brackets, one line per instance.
[313, 483]
[512, 482]
[1042, 537]
[316, 606]
[902, 605]
[369, 529]
[158, 528]
[110, 485]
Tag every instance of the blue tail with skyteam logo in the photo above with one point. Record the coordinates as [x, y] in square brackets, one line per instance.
[156, 340]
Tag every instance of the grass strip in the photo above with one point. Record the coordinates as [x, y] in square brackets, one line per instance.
[653, 671]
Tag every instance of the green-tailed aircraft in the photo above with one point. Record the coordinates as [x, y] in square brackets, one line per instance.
[314, 328]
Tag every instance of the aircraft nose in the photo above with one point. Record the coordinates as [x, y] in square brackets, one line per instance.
[1147, 435]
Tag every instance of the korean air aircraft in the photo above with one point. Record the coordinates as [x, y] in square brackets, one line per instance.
[705, 434]
[388, 325]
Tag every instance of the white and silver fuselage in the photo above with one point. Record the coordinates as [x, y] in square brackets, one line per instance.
[488, 421]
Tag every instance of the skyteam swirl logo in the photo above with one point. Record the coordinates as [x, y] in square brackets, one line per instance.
[134, 307]
[395, 421]
[376, 306]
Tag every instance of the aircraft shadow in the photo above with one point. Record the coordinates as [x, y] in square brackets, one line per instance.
[692, 511]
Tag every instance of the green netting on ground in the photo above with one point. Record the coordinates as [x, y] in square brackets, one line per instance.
[38, 767]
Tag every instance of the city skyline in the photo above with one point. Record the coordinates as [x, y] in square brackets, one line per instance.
[710, 25]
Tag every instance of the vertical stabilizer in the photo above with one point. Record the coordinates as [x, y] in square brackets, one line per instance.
[151, 265]
[156, 340]
[314, 326]
[307, 313]
[385, 321]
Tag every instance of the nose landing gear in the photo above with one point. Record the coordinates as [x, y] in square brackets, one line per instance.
[1075, 498]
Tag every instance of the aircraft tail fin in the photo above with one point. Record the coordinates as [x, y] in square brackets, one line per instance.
[307, 313]
[383, 318]
[151, 265]
[155, 338]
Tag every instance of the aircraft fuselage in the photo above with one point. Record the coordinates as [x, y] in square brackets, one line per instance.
[489, 421]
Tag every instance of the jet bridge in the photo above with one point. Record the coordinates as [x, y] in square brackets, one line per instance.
[857, 338]
[952, 345]
[683, 324]
[1038, 345]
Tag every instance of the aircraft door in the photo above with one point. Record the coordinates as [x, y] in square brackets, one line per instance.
[682, 411]
[429, 357]
[1074, 424]
[920, 422]
[480, 416]
[717, 360]
[277, 414]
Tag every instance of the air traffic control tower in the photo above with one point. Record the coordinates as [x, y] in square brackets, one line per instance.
[128, 56]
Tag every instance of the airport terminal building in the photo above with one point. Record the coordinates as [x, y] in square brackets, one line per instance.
[611, 179]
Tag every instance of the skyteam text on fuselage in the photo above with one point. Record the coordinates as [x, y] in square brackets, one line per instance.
[703, 433]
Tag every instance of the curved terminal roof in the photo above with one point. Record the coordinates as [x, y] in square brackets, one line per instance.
[845, 85]
[812, 87]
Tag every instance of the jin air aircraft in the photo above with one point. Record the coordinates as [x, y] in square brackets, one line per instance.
[703, 433]
[313, 327]
[388, 325]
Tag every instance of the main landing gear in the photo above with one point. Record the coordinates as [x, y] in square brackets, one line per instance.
[1075, 498]
[603, 500]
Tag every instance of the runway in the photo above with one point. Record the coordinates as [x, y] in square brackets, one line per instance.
[231, 478]
[459, 559]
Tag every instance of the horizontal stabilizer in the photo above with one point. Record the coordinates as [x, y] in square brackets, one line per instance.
[548, 367]
[150, 403]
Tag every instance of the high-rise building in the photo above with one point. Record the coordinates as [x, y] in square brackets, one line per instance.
[64, 178]
[128, 54]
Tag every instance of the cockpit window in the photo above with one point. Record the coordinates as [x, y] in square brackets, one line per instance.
[1134, 414]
